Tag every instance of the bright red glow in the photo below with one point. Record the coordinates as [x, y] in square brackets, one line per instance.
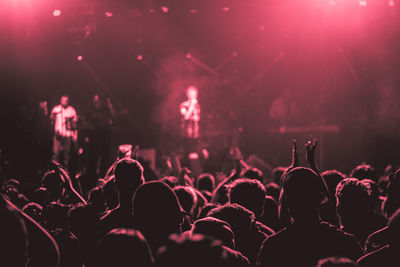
[57, 12]
[79, 58]
[188, 55]
[164, 9]
[193, 11]
[108, 14]
[391, 3]
[226, 9]
[140, 57]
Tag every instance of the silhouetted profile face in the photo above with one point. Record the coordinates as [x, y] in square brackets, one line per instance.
[192, 93]
[64, 101]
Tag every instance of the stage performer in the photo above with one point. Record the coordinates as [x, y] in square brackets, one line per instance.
[64, 119]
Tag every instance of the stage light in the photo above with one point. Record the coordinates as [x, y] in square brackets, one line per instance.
[79, 58]
[188, 56]
[391, 3]
[164, 9]
[193, 11]
[363, 2]
[333, 2]
[226, 8]
[57, 12]
[108, 14]
[234, 53]
[140, 57]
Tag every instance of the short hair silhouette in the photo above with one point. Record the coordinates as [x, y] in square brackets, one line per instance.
[392, 202]
[206, 181]
[336, 262]
[352, 196]
[332, 179]
[195, 251]
[249, 193]
[365, 171]
[277, 174]
[187, 198]
[215, 228]
[123, 247]
[254, 173]
[128, 175]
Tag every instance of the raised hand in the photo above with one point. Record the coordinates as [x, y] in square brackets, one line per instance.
[295, 157]
[310, 153]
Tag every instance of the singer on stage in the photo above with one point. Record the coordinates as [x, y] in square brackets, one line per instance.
[190, 111]
[64, 120]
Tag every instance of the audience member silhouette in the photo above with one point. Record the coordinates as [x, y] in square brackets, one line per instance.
[206, 182]
[123, 247]
[195, 251]
[128, 177]
[248, 238]
[307, 239]
[250, 193]
[156, 213]
[389, 254]
[392, 202]
[354, 210]
[336, 262]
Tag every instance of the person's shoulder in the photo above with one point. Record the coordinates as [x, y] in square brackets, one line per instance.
[56, 108]
[375, 258]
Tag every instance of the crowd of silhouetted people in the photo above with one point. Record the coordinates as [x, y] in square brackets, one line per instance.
[293, 216]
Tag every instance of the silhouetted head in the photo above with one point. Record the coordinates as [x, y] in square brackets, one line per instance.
[206, 181]
[249, 193]
[215, 228]
[171, 181]
[352, 197]
[195, 251]
[187, 198]
[302, 191]
[336, 262]
[53, 182]
[128, 176]
[392, 202]
[239, 218]
[156, 209]
[332, 178]
[277, 174]
[123, 247]
[365, 171]
[205, 209]
[254, 173]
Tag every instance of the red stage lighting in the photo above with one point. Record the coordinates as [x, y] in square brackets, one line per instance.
[140, 57]
[188, 56]
[57, 12]
[108, 14]
[79, 58]
[226, 9]
[391, 3]
[164, 9]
